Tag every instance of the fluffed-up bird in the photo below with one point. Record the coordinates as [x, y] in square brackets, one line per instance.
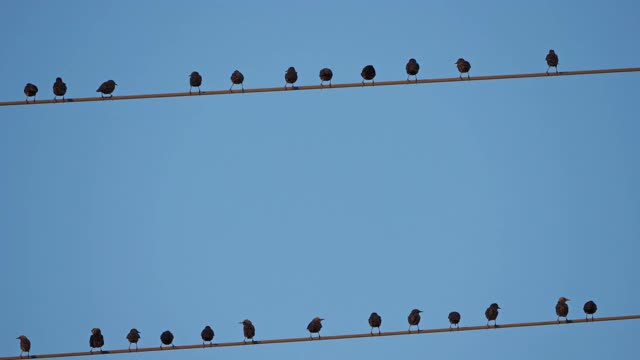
[167, 339]
[375, 321]
[314, 327]
[59, 89]
[590, 308]
[30, 90]
[368, 73]
[414, 319]
[237, 79]
[107, 88]
[552, 61]
[248, 330]
[463, 67]
[412, 69]
[492, 314]
[25, 345]
[195, 80]
[96, 341]
[454, 319]
[290, 77]
[326, 75]
[133, 336]
[207, 334]
[562, 308]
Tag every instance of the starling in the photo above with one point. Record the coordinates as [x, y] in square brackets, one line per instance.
[207, 335]
[314, 326]
[412, 69]
[590, 308]
[25, 345]
[167, 339]
[326, 75]
[133, 336]
[492, 314]
[237, 79]
[454, 319]
[59, 89]
[414, 319]
[291, 76]
[463, 67]
[107, 88]
[562, 309]
[552, 61]
[195, 80]
[96, 340]
[30, 90]
[375, 321]
[249, 330]
[368, 73]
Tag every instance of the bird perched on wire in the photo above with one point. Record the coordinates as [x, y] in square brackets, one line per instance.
[30, 90]
[59, 89]
[207, 334]
[562, 308]
[133, 336]
[25, 345]
[552, 61]
[492, 314]
[326, 75]
[249, 330]
[414, 319]
[454, 319]
[368, 73]
[375, 320]
[412, 69]
[107, 87]
[290, 77]
[590, 308]
[167, 339]
[237, 79]
[96, 341]
[195, 80]
[463, 67]
[314, 327]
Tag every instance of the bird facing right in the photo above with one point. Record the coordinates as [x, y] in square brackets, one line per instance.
[463, 67]
[248, 330]
[590, 308]
[30, 90]
[414, 319]
[25, 345]
[195, 80]
[290, 77]
[412, 69]
[59, 89]
[552, 61]
[107, 87]
[326, 75]
[166, 338]
[133, 336]
[237, 79]
[314, 327]
[562, 308]
[454, 319]
[492, 314]
[207, 334]
[368, 73]
[96, 340]
[375, 321]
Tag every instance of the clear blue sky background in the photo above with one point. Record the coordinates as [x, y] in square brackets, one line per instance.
[278, 207]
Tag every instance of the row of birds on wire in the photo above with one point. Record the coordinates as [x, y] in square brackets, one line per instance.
[291, 76]
[96, 340]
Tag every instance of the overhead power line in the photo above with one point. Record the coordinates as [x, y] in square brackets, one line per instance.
[325, 338]
[325, 87]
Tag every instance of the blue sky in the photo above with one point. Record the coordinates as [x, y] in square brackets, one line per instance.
[279, 207]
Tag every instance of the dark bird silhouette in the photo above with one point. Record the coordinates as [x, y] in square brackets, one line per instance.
[414, 319]
[249, 330]
[590, 308]
[454, 319]
[562, 309]
[368, 73]
[463, 67]
[375, 320]
[237, 79]
[207, 334]
[107, 87]
[291, 76]
[167, 339]
[195, 80]
[30, 90]
[96, 341]
[133, 336]
[552, 61]
[59, 89]
[25, 345]
[492, 314]
[314, 327]
[412, 69]
[326, 75]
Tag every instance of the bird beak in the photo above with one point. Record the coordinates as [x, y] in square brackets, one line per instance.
[321, 319]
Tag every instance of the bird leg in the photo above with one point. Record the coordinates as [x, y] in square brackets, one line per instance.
[242, 86]
[129, 346]
[372, 331]
[548, 70]
[556, 70]
[468, 77]
[460, 76]
[190, 87]
[378, 330]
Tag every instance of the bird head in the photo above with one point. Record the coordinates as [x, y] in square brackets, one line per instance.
[21, 337]
[58, 79]
[416, 311]
[134, 330]
[460, 60]
[317, 319]
[412, 60]
[495, 306]
[563, 299]
[195, 73]
[551, 52]
[291, 69]
[246, 322]
[95, 331]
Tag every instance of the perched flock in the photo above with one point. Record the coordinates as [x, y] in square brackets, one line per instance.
[96, 340]
[291, 76]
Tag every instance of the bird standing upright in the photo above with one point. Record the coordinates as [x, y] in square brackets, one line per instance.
[454, 319]
[368, 73]
[248, 330]
[326, 75]
[552, 61]
[562, 308]
[414, 319]
[290, 77]
[30, 90]
[492, 314]
[25, 345]
[96, 340]
[167, 339]
[412, 69]
[59, 89]
[133, 336]
[106, 88]
[590, 308]
[207, 334]
[375, 320]
[195, 80]
[237, 79]
[314, 327]
[463, 67]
